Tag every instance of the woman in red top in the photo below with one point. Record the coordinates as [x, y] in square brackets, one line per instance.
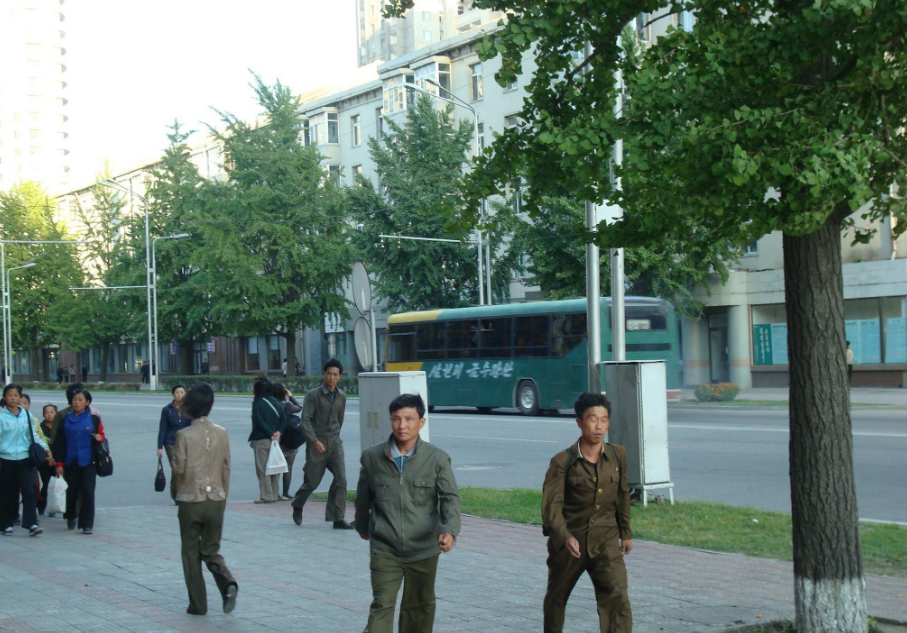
[74, 450]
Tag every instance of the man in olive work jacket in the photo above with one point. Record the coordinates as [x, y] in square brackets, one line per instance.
[408, 508]
[586, 515]
[322, 419]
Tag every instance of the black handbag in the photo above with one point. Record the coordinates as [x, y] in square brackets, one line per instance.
[37, 454]
[102, 460]
[160, 480]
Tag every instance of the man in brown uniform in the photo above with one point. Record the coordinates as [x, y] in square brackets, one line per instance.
[201, 474]
[586, 515]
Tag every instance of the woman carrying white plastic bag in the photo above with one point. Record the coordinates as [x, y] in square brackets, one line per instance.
[277, 463]
[56, 496]
[268, 423]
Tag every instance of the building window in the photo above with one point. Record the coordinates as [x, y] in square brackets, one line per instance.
[33, 134]
[426, 36]
[357, 171]
[478, 89]
[752, 247]
[334, 174]
[333, 128]
[357, 130]
[643, 28]
[396, 96]
[513, 85]
[426, 16]
[481, 136]
[512, 121]
[379, 122]
[252, 363]
[516, 190]
[306, 134]
[274, 352]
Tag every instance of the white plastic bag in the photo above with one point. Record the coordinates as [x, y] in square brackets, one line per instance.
[277, 463]
[56, 495]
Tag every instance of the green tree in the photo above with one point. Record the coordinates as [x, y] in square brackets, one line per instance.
[176, 200]
[276, 249]
[27, 213]
[418, 165]
[86, 319]
[789, 116]
[554, 240]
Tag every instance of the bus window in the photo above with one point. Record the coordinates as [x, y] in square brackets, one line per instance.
[401, 343]
[494, 338]
[429, 341]
[461, 339]
[530, 336]
[646, 318]
[567, 331]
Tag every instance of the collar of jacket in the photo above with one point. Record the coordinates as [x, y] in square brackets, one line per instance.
[202, 420]
[387, 447]
[576, 453]
[15, 415]
[327, 392]
[72, 415]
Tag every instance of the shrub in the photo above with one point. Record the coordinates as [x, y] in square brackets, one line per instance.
[299, 385]
[720, 392]
[91, 386]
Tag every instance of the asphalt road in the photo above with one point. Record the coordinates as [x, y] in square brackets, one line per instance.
[733, 456]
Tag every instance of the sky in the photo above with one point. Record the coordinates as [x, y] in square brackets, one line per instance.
[133, 67]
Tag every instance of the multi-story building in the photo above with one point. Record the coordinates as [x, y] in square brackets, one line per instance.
[33, 137]
[427, 23]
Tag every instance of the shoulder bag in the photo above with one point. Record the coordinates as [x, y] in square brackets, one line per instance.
[37, 454]
[102, 460]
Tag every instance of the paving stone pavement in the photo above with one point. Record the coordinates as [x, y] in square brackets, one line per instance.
[128, 577]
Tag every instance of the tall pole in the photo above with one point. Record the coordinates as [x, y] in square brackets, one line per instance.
[475, 153]
[154, 278]
[487, 254]
[8, 323]
[593, 292]
[618, 321]
[153, 369]
[5, 375]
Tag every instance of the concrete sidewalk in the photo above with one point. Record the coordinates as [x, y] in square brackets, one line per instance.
[128, 577]
[861, 395]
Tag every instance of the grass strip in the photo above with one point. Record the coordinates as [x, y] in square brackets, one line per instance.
[711, 526]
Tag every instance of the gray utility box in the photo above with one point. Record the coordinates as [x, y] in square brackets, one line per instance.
[376, 391]
[639, 422]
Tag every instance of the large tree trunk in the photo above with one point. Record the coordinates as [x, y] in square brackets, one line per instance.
[105, 354]
[829, 589]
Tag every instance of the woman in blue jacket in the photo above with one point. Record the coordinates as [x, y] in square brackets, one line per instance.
[17, 432]
[269, 419]
[74, 450]
[173, 420]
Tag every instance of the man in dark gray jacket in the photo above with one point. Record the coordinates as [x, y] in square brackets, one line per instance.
[408, 508]
[322, 419]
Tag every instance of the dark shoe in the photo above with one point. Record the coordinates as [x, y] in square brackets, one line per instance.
[35, 530]
[297, 516]
[71, 526]
[86, 531]
[7, 532]
[342, 525]
[230, 598]
[265, 501]
[52, 515]
[192, 611]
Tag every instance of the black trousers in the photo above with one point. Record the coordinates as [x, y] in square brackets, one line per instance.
[45, 471]
[81, 481]
[16, 475]
[200, 529]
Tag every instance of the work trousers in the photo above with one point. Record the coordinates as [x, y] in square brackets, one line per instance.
[170, 451]
[267, 484]
[290, 456]
[81, 481]
[417, 609]
[609, 578]
[313, 472]
[200, 529]
[16, 475]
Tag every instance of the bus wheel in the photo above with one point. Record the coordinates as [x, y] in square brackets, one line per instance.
[527, 398]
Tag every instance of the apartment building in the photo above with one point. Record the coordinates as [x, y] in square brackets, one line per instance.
[33, 136]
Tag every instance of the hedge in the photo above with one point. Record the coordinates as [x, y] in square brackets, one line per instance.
[297, 384]
[91, 386]
[720, 392]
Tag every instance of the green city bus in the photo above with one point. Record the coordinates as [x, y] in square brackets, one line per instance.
[531, 356]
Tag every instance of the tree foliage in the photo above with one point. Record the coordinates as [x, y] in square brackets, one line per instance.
[418, 165]
[275, 251]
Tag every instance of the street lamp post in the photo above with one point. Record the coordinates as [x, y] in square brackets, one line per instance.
[475, 135]
[7, 335]
[155, 359]
[8, 319]
[112, 184]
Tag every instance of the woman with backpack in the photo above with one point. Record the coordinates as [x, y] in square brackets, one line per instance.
[17, 470]
[269, 419]
[292, 437]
